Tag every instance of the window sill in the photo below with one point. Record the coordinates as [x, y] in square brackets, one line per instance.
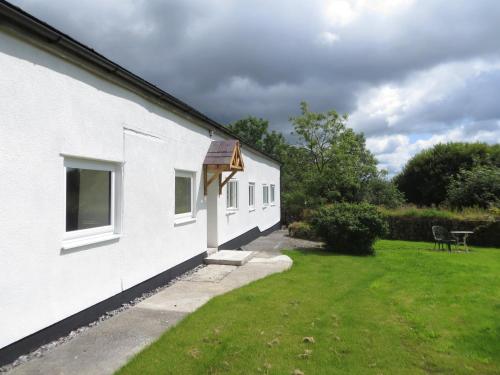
[79, 242]
[264, 207]
[231, 212]
[251, 209]
[184, 220]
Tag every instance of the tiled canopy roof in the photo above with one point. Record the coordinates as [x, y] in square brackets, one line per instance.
[222, 156]
[221, 152]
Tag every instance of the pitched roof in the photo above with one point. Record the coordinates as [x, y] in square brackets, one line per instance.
[43, 32]
[220, 152]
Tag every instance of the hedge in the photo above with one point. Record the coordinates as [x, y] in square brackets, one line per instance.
[414, 228]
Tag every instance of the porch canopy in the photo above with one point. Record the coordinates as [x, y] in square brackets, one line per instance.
[222, 156]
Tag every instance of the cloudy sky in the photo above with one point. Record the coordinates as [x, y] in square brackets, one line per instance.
[410, 73]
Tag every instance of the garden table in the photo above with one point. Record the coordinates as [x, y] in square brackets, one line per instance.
[464, 234]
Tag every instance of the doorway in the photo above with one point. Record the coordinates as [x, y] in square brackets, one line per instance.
[212, 198]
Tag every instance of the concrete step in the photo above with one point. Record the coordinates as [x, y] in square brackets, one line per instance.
[211, 250]
[230, 257]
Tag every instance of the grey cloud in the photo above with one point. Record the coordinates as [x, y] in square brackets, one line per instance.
[196, 49]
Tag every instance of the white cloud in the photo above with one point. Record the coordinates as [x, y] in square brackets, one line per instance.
[328, 38]
[426, 102]
[341, 13]
[386, 144]
[393, 151]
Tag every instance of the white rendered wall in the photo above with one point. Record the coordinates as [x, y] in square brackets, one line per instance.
[261, 171]
[49, 108]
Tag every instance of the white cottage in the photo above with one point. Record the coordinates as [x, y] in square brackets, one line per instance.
[107, 185]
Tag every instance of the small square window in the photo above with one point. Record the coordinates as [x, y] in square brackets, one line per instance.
[91, 189]
[272, 194]
[232, 195]
[251, 195]
[184, 194]
[88, 198]
[265, 195]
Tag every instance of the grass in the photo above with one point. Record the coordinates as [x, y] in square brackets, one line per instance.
[470, 213]
[407, 310]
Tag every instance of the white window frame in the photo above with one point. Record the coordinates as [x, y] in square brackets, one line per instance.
[228, 191]
[264, 203]
[272, 194]
[251, 188]
[189, 216]
[88, 236]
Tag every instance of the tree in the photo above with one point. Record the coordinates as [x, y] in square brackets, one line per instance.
[478, 187]
[251, 129]
[255, 131]
[318, 132]
[426, 176]
[294, 194]
[382, 192]
[339, 163]
[330, 163]
[274, 144]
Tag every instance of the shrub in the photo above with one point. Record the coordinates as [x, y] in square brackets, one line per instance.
[381, 192]
[426, 176]
[301, 229]
[478, 187]
[349, 228]
[293, 204]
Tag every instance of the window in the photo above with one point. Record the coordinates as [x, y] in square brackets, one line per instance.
[184, 183]
[272, 194]
[232, 195]
[265, 195]
[90, 199]
[251, 195]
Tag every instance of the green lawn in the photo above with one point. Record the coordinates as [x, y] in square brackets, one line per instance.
[407, 310]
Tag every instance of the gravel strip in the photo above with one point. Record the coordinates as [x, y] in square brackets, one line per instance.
[51, 345]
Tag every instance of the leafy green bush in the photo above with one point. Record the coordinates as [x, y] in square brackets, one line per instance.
[348, 227]
[426, 176]
[478, 187]
[382, 192]
[293, 204]
[301, 229]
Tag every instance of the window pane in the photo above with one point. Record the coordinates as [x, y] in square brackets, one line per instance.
[272, 193]
[251, 194]
[235, 194]
[182, 195]
[88, 199]
[232, 194]
[229, 194]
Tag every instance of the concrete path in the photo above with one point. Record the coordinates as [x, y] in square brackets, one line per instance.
[109, 345]
[272, 244]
